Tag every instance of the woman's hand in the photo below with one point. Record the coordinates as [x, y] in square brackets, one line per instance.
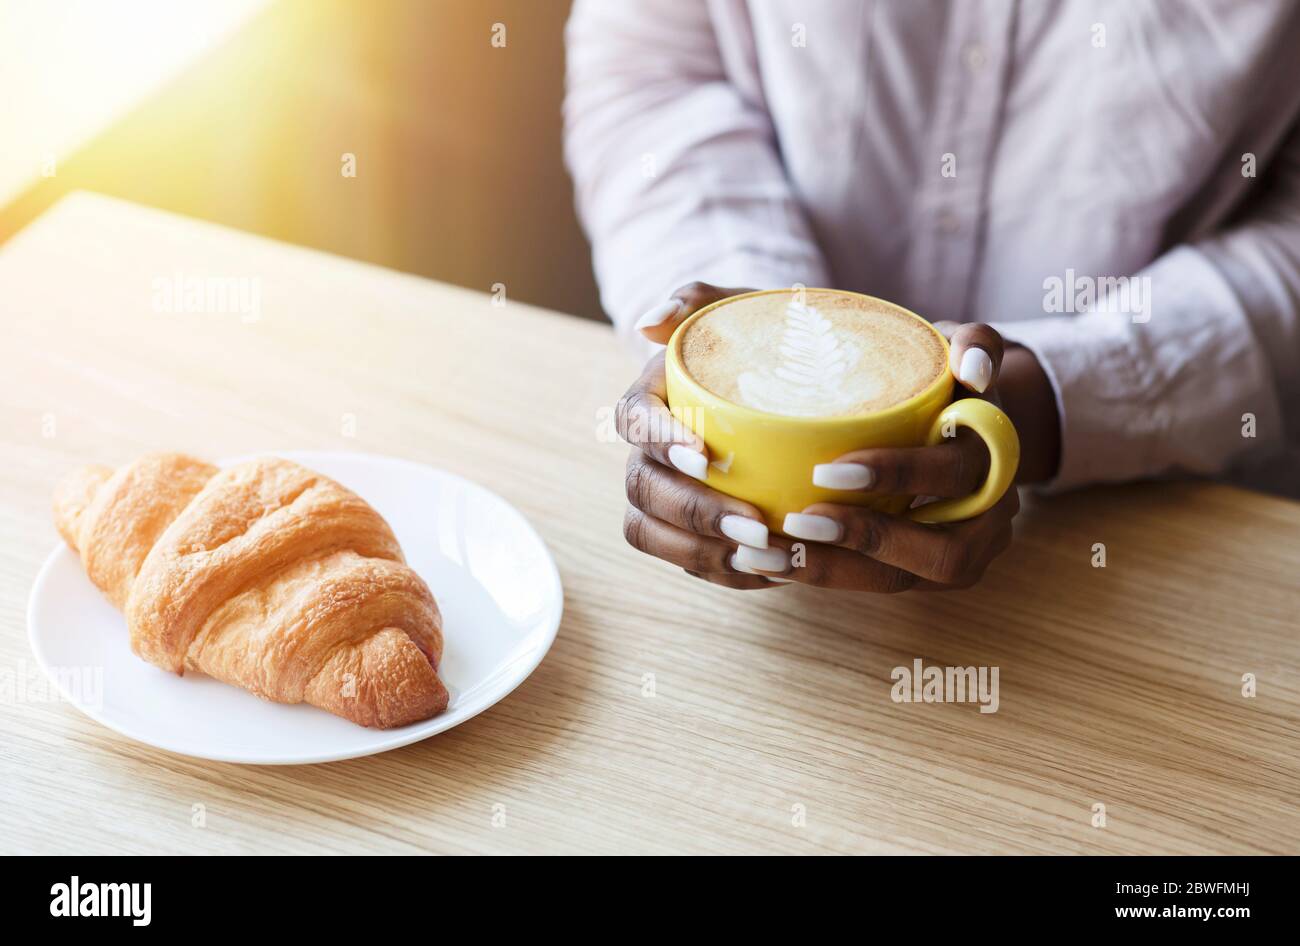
[872, 551]
[863, 550]
[676, 517]
[672, 514]
[660, 322]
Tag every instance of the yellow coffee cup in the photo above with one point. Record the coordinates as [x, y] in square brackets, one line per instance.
[768, 459]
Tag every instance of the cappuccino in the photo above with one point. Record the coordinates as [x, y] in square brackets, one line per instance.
[812, 353]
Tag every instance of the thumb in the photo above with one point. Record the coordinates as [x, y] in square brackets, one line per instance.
[976, 354]
[660, 322]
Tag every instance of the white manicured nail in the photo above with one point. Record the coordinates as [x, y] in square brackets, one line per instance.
[803, 525]
[843, 476]
[744, 530]
[658, 315]
[761, 560]
[779, 581]
[737, 566]
[689, 461]
[976, 370]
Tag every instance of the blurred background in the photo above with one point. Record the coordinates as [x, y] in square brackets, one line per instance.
[241, 112]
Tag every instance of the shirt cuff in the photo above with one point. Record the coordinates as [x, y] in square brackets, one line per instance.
[1157, 386]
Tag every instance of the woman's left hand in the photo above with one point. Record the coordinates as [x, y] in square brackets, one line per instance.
[844, 546]
[863, 550]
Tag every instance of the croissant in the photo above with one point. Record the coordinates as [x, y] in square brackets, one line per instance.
[264, 575]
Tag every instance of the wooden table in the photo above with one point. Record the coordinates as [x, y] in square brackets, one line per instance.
[771, 726]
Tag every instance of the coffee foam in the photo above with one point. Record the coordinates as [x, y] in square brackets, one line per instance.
[812, 354]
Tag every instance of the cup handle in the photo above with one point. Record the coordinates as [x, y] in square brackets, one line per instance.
[1004, 456]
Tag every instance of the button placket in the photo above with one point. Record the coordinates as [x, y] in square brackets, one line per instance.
[969, 97]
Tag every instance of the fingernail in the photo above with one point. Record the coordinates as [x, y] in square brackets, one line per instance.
[689, 461]
[744, 530]
[737, 566]
[802, 525]
[658, 315]
[779, 581]
[843, 476]
[976, 370]
[761, 560]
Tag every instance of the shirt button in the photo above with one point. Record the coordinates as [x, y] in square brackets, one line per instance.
[976, 57]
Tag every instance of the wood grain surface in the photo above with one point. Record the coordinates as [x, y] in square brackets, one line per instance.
[770, 727]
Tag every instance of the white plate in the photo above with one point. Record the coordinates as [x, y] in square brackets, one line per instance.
[495, 582]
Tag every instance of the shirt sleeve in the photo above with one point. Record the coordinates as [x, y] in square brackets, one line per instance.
[1200, 371]
[677, 173]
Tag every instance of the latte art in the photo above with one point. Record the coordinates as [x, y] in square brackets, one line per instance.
[812, 354]
[810, 379]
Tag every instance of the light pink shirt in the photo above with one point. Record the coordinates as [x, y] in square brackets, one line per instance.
[982, 160]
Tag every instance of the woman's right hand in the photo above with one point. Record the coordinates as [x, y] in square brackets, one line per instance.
[672, 515]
